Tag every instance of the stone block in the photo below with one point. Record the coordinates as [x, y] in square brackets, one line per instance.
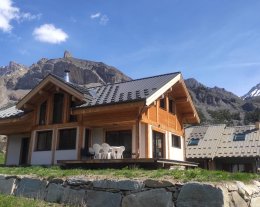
[237, 200]
[151, 198]
[202, 195]
[73, 197]
[31, 188]
[255, 202]
[7, 185]
[128, 185]
[54, 193]
[157, 183]
[102, 198]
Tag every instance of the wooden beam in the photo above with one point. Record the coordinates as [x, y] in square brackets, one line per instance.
[181, 100]
[107, 108]
[188, 115]
[43, 93]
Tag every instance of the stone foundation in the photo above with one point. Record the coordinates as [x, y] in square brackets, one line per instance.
[80, 191]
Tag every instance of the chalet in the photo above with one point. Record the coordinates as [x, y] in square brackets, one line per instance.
[57, 119]
[219, 147]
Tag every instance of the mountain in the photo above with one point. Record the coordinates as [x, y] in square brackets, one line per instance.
[215, 105]
[253, 93]
[16, 80]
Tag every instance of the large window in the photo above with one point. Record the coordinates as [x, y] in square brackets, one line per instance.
[176, 141]
[67, 139]
[121, 138]
[42, 113]
[57, 108]
[43, 141]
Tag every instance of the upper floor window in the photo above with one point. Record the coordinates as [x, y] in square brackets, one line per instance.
[72, 118]
[193, 142]
[172, 108]
[67, 139]
[43, 141]
[42, 113]
[162, 103]
[57, 108]
[176, 141]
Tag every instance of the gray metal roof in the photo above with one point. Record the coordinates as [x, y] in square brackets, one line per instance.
[218, 141]
[10, 111]
[134, 90]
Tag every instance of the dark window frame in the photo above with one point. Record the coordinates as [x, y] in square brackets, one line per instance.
[176, 141]
[172, 106]
[47, 140]
[58, 108]
[42, 113]
[162, 103]
[67, 141]
[193, 142]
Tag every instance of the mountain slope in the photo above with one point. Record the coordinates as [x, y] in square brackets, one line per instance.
[253, 93]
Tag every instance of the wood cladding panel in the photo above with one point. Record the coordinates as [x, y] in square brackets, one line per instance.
[152, 113]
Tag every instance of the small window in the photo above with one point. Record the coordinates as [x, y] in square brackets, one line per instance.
[193, 142]
[42, 113]
[67, 139]
[162, 103]
[176, 141]
[44, 140]
[239, 137]
[57, 108]
[172, 106]
[73, 118]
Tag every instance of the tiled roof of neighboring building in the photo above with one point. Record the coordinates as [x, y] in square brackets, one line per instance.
[219, 141]
[10, 111]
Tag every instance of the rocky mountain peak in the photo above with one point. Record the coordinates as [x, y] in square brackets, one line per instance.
[67, 54]
[254, 92]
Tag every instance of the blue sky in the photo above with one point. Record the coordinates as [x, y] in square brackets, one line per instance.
[216, 42]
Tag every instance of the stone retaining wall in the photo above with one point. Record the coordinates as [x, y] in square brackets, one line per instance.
[79, 191]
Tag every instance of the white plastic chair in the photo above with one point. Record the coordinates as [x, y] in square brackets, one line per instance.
[119, 152]
[97, 148]
[106, 154]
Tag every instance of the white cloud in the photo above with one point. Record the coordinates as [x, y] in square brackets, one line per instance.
[103, 18]
[94, 16]
[8, 13]
[50, 34]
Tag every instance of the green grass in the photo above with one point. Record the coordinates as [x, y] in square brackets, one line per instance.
[2, 158]
[136, 173]
[11, 201]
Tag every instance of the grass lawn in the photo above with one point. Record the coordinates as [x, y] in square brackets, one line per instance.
[11, 201]
[136, 173]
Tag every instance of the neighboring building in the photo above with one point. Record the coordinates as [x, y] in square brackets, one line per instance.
[220, 147]
[57, 119]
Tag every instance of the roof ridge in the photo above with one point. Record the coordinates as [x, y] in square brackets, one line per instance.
[133, 80]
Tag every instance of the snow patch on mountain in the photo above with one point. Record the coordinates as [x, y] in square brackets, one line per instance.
[254, 92]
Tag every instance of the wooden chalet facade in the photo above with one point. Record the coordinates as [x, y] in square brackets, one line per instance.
[57, 119]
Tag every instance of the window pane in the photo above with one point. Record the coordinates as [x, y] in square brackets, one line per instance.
[44, 141]
[67, 139]
[193, 142]
[171, 106]
[176, 141]
[162, 103]
[239, 137]
[58, 108]
[42, 114]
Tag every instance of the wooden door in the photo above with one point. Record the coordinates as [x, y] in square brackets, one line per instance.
[158, 144]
